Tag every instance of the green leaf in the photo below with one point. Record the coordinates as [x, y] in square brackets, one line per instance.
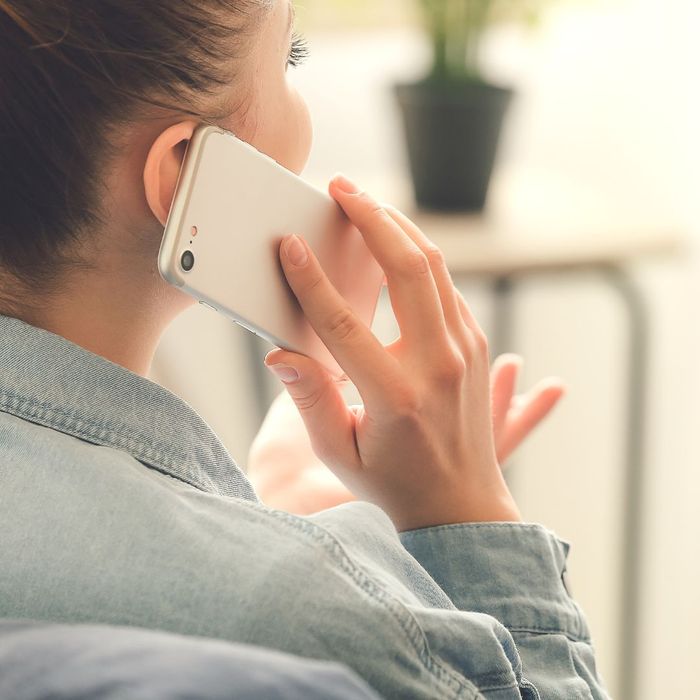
[456, 28]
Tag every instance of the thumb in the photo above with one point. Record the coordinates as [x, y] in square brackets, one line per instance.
[328, 420]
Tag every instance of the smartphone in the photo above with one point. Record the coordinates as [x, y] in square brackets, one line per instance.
[231, 209]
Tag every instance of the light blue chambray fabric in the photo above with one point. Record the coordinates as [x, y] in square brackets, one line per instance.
[119, 505]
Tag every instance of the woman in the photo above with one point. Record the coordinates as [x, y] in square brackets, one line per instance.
[119, 505]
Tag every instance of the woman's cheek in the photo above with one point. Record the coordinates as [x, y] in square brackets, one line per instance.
[279, 125]
[304, 137]
[294, 133]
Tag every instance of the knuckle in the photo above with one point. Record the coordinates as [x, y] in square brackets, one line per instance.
[405, 405]
[307, 400]
[415, 263]
[375, 208]
[371, 206]
[375, 213]
[481, 342]
[461, 301]
[393, 214]
[341, 325]
[435, 256]
[451, 369]
[312, 285]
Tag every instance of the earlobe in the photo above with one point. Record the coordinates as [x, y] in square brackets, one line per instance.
[163, 167]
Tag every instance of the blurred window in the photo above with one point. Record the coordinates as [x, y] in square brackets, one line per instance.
[331, 15]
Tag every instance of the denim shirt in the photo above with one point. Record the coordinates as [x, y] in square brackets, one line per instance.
[119, 505]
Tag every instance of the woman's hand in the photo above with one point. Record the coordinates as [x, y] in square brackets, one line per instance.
[421, 446]
[283, 467]
[288, 475]
[515, 417]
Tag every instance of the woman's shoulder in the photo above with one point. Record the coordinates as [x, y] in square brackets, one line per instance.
[32, 450]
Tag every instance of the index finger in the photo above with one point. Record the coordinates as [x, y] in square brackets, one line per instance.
[412, 286]
[356, 349]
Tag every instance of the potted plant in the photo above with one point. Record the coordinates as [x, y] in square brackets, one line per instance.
[452, 117]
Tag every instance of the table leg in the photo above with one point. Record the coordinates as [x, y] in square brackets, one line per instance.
[502, 340]
[503, 315]
[635, 481]
[256, 348]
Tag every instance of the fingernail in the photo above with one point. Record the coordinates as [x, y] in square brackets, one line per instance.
[345, 185]
[510, 358]
[296, 252]
[285, 373]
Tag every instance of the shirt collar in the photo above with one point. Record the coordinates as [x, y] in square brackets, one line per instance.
[51, 381]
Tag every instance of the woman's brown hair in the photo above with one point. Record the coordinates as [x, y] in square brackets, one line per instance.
[70, 70]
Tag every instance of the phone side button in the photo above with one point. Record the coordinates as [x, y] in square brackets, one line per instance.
[248, 328]
[209, 306]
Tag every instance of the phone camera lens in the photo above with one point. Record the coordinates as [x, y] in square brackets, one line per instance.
[187, 260]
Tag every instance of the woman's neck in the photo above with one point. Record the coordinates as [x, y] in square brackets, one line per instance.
[120, 317]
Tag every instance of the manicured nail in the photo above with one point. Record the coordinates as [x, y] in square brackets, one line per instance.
[296, 252]
[285, 373]
[345, 185]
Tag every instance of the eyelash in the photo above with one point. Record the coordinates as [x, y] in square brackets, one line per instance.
[299, 51]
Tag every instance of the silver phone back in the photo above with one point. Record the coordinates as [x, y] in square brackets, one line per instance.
[241, 203]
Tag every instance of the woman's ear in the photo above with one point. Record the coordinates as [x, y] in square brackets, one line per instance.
[163, 167]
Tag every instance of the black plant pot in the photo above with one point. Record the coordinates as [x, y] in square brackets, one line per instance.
[452, 133]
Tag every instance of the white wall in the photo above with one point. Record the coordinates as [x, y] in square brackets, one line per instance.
[608, 98]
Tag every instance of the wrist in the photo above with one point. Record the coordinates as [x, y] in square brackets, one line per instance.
[476, 505]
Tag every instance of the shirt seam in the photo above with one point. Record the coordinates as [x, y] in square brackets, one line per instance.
[533, 629]
[409, 534]
[16, 401]
[452, 526]
[98, 432]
